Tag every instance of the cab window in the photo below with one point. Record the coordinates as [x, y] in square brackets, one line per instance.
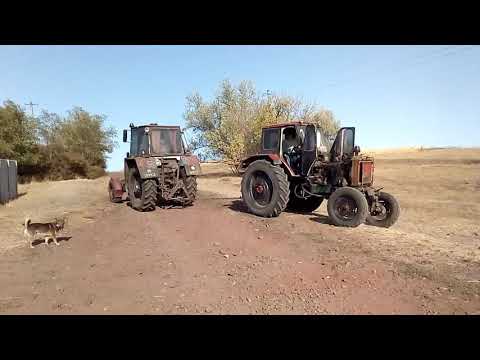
[348, 141]
[271, 139]
[309, 142]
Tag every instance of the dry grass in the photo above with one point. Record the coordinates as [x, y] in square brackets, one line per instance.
[80, 200]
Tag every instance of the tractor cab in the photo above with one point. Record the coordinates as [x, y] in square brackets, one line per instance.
[299, 144]
[155, 140]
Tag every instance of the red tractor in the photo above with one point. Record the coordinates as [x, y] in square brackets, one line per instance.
[159, 169]
[299, 166]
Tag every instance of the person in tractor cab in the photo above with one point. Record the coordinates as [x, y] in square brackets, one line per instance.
[290, 145]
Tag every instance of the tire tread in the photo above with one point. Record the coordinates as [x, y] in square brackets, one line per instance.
[283, 188]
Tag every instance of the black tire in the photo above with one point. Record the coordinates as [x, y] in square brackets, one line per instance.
[191, 185]
[307, 205]
[272, 190]
[144, 198]
[392, 211]
[347, 207]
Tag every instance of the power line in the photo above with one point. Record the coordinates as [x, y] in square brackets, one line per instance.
[31, 106]
[422, 56]
[444, 52]
[355, 62]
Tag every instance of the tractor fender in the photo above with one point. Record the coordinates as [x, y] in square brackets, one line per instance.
[191, 164]
[147, 166]
[115, 184]
[272, 158]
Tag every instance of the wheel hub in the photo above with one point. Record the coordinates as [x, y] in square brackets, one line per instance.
[259, 189]
[380, 212]
[346, 208]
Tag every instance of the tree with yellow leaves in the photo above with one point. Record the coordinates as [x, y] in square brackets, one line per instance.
[229, 127]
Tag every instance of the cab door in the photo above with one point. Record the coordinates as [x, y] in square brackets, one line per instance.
[344, 144]
[309, 149]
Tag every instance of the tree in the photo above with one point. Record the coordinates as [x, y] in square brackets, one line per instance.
[229, 127]
[18, 134]
[55, 147]
[76, 145]
[85, 134]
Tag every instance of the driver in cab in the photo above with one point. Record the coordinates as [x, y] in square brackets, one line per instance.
[290, 146]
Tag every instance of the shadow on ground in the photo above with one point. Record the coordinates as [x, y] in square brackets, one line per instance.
[59, 239]
[321, 219]
[219, 174]
[238, 206]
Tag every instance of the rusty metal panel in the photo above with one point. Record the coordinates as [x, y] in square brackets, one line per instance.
[8, 180]
[355, 175]
[147, 167]
[367, 172]
[192, 165]
[4, 195]
[12, 179]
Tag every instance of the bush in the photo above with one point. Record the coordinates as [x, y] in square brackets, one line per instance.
[52, 147]
[94, 172]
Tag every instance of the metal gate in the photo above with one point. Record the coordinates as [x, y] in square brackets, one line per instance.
[8, 180]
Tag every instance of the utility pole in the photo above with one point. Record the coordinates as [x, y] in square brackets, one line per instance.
[31, 106]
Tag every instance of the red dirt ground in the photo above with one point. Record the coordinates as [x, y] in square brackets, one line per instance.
[213, 258]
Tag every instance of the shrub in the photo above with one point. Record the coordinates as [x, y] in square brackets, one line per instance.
[94, 172]
[52, 147]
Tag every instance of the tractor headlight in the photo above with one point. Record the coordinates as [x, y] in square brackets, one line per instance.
[192, 167]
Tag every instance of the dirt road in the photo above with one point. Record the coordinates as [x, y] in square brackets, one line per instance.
[215, 258]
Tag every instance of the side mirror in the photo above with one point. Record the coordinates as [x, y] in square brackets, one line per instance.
[128, 154]
[124, 136]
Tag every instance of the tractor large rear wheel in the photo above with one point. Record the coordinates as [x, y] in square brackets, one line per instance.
[265, 189]
[347, 207]
[142, 193]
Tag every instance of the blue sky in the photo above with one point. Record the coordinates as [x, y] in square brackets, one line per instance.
[395, 95]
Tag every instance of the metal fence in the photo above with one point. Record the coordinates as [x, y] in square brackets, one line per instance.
[8, 180]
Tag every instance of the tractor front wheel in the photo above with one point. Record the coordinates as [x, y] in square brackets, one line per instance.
[347, 207]
[265, 189]
[142, 193]
[388, 214]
